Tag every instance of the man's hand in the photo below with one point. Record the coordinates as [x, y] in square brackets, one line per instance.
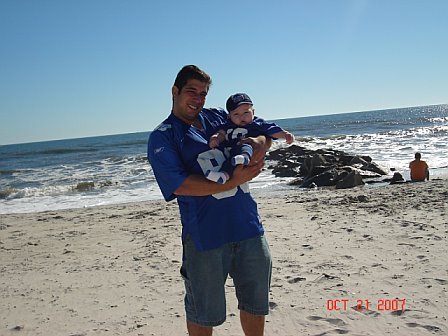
[214, 141]
[217, 138]
[260, 145]
[243, 174]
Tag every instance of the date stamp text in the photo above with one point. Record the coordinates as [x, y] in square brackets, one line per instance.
[378, 305]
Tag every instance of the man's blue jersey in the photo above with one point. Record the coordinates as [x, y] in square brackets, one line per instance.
[177, 150]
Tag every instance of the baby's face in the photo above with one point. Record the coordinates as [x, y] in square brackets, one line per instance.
[242, 115]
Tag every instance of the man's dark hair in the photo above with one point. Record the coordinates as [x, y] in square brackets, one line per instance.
[191, 72]
[418, 156]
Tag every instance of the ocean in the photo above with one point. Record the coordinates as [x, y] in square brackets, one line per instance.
[85, 172]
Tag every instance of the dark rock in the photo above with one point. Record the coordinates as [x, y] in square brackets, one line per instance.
[284, 171]
[397, 178]
[353, 179]
[298, 181]
[324, 179]
[373, 167]
[358, 160]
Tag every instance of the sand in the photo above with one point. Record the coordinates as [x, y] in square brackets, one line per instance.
[363, 261]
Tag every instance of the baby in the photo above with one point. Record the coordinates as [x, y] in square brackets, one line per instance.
[242, 123]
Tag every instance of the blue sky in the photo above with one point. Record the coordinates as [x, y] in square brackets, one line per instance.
[93, 67]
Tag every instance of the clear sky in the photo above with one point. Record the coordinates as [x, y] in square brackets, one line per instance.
[93, 67]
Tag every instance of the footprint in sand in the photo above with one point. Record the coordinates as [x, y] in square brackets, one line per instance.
[399, 312]
[427, 327]
[365, 311]
[440, 281]
[335, 321]
[295, 280]
[332, 332]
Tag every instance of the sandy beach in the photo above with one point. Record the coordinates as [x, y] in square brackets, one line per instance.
[362, 261]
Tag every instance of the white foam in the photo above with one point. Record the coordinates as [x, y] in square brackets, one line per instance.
[79, 200]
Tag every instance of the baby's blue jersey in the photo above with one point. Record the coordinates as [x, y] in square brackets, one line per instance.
[177, 150]
[257, 127]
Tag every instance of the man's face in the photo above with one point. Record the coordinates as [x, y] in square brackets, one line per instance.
[190, 100]
[242, 115]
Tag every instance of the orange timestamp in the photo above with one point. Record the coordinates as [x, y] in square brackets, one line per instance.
[365, 304]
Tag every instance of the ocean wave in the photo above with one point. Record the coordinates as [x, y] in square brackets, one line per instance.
[7, 192]
[15, 193]
[51, 151]
[306, 139]
[8, 171]
[125, 159]
[438, 119]
[426, 132]
[91, 185]
[434, 131]
[66, 150]
[55, 190]
[132, 143]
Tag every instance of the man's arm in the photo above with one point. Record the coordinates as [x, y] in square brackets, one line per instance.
[197, 185]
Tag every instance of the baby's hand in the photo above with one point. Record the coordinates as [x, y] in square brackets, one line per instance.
[289, 138]
[214, 141]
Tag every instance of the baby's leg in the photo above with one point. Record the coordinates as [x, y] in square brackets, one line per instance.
[244, 156]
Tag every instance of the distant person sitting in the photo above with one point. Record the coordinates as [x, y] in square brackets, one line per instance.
[419, 169]
[241, 123]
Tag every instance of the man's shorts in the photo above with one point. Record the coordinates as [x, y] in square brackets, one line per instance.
[248, 263]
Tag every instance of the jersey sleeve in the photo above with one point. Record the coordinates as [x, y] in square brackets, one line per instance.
[267, 128]
[165, 161]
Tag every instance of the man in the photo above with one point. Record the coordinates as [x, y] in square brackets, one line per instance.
[221, 230]
[419, 169]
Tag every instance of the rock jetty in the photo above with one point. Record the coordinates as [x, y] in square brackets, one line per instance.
[325, 167]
